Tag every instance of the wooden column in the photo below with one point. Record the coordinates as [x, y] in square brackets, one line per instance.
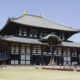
[28, 30]
[9, 53]
[77, 51]
[71, 55]
[31, 46]
[62, 56]
[42, 57]
[19, 53]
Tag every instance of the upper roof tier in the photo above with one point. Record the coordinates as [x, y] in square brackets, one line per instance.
[41, 22]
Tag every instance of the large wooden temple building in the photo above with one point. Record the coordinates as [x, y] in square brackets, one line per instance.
[35, 40]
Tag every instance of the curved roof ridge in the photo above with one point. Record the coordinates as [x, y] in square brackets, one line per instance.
[24, 15]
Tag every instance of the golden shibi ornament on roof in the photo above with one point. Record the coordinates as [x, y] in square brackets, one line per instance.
[25, 12]
[42, 15]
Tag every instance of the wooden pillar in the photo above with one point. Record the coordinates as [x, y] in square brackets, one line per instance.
[38, 34]
[31, 47]
[71, 55]
[77, 51]
[9, 53]
[42, 57]
[79, 55]
[62, 56]
[28, 30]
[19, 53]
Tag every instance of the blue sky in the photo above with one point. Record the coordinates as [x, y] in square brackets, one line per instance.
[65, 12]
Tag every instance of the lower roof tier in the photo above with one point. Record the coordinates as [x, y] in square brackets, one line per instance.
[35, 41]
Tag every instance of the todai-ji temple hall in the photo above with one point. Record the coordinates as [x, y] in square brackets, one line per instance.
[35, 40]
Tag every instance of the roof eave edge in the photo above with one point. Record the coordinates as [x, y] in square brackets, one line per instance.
[77, 31]
[5, 24]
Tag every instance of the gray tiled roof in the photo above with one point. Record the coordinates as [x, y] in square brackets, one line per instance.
[38, 21]
[21, 40]
[36, 41]
[70, 44]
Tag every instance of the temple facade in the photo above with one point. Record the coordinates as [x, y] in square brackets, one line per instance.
[35, 40]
